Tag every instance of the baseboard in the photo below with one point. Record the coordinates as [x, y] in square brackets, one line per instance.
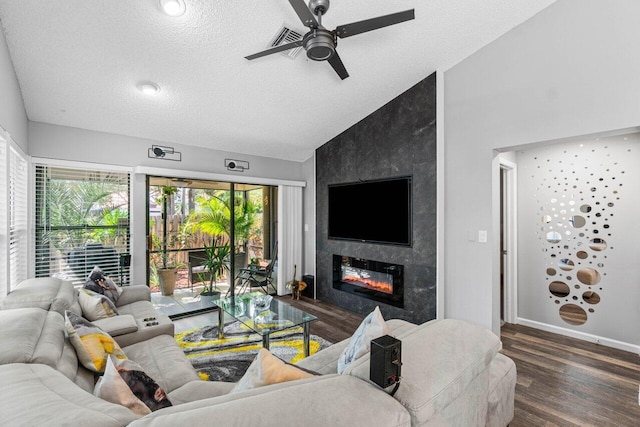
[608, 342]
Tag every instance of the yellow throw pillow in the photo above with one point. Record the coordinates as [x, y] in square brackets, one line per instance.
[95, 306]
[267, 369]
[93, 345]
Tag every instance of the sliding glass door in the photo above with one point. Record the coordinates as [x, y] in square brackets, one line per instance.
[191, 221]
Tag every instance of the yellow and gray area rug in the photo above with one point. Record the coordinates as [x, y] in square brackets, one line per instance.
[228, 359]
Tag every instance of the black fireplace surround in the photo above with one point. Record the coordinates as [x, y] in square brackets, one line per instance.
[375, 280]
[399, 139]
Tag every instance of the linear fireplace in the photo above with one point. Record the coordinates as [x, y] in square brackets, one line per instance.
[376, 280]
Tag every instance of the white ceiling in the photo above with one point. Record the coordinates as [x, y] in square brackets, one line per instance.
[78, 63]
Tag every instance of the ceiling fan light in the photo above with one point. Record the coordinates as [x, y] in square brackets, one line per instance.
[173, 7]
[319, 45]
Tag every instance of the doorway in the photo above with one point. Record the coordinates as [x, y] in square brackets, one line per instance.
[190, 220]
[508, 242]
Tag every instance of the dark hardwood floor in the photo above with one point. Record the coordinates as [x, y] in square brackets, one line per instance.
[561, 381]
[334, 323]
[569, 382]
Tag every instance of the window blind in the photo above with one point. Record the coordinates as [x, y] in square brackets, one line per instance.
[18, 190]
[81, 221]
[4, 224]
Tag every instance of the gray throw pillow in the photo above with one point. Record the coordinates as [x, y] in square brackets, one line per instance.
[100, 283]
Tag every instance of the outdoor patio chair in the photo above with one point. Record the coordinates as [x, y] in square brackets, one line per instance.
[196, 267]
[254, 276]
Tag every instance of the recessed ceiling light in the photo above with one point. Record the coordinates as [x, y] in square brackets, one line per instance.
[148, 88]
[173, 7]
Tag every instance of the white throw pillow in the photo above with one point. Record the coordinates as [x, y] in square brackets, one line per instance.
[125, 383]
[95, 306]
[373, 326]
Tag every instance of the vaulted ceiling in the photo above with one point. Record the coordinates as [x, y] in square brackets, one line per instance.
[80, 63]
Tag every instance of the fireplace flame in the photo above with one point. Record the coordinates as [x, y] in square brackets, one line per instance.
[369, 283]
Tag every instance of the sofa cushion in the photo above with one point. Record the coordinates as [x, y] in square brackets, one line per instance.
[99, 283]
[164, 361]
[198, 390]
[31, 335]
[439, 360]
[38, 395]
[93, 345]
[48, 293]
[267, 369]
[124, 382]
[373, 326]
[96, 306]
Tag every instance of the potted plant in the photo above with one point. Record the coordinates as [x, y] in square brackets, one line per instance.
[168, 272]
[216, 264]
[214, 217]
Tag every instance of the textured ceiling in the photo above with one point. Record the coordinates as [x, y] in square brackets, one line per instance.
[78, 63]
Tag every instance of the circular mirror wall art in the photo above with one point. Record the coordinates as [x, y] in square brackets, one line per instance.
[588, 276]
[573, 314]
[559, 289]
[577, 191]
[554, 237]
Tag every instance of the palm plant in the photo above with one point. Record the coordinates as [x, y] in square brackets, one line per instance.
[85, 203]
[214, 215]
[216, 263]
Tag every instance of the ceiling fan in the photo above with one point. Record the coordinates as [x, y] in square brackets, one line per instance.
[320, 43]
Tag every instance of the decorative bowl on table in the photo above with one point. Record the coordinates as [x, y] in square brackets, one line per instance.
[263, 301]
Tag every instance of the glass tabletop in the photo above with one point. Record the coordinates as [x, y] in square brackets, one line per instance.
[261, 315]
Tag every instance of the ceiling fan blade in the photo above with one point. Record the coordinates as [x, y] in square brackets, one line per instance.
[276, 49]
[360, 27]
[338, 66]
[305, 15]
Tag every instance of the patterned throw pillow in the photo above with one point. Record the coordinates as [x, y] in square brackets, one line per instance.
[125, 383]
[373, 326]
[99, 283]
[268, 369]
[93, 345]
[95, 306]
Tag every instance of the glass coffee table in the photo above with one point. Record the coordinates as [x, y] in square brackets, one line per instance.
[263, 315]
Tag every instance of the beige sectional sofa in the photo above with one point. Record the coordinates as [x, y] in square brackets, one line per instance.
[452, 374]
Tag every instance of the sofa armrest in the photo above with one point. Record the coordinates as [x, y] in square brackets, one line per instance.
[134, 293]
[117, 325]
[440, 359]
[38, 395]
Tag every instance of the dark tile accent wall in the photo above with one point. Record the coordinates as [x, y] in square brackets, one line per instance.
[398, 139]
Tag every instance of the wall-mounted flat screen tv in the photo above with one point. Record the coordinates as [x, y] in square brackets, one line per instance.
[376, 211]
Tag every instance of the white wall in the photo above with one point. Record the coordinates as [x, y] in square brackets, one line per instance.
[61, 142]
[570, 70]
[13, 117]
[594, 180]
[309, 216]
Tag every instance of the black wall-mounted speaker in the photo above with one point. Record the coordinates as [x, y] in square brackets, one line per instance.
[385, 361]
[125, 260]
